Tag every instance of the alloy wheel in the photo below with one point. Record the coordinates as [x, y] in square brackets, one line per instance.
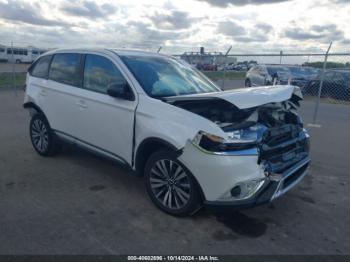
[170, 184]
[40, 135]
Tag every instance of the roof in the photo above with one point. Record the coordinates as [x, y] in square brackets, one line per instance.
[106, 50]
[135, 52]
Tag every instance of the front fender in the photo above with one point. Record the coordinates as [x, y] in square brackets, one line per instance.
[155, 118]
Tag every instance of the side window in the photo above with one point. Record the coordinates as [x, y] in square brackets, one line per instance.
[101, 74]
[41, 68]
[65, 68]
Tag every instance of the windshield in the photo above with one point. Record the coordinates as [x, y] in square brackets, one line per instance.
[165, 76]
[302, 70]
[297, 70]
[277, 69]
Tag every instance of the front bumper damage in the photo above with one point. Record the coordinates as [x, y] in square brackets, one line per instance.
[281, 164]
[276, 186]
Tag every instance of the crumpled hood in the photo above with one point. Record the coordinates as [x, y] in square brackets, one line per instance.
[247, 97]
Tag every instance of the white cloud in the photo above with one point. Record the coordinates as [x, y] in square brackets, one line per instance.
[250, 26]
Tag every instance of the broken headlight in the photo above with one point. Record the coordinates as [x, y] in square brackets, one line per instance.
[237, 140]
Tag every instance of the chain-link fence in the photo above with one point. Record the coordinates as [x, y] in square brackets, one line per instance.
[336, 80]
[15, 59]
[322, 77]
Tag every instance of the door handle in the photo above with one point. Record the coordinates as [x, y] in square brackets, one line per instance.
[81, 103]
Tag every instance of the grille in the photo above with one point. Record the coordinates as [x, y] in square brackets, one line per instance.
[278, 135]
[282, 147]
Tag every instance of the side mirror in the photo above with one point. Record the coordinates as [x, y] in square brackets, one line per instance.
[121, 90]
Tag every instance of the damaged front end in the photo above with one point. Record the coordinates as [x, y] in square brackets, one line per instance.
[273, 131]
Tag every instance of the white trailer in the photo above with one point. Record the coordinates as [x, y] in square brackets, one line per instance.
[3, 54]
[19, 54]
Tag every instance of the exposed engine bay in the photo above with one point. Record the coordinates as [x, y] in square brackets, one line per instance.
[274, 128]
[228, 117]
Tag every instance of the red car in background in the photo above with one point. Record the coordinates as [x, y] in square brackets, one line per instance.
[207, 67]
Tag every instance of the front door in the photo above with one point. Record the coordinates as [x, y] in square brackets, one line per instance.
[105, 122]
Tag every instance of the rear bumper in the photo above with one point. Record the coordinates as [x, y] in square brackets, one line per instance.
[275, 186]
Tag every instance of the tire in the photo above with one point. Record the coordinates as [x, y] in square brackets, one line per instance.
[18, 61]
[248, 83]
[177, 194]
[43, 139]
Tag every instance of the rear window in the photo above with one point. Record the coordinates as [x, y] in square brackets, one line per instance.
[65, 68]
[41, 67]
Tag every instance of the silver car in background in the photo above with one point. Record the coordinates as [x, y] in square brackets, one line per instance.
[262, 75]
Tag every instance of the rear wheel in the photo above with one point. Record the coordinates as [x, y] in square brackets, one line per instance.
[18, 61]
[248, 83]
[42, 137]
[170, 185]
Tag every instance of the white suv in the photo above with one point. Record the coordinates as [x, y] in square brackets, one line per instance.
[194, 144]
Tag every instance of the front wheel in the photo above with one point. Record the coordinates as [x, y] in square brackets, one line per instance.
[248, 83]
[170, 185]
[42, 137]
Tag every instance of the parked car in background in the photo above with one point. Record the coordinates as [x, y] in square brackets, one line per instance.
[280, 74]
[207, 67]
[336, 84]
[241, 67]
[228, 67]
[261, 75]
[301, 75]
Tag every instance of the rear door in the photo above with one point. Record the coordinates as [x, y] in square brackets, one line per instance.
[62, 93]
[36, 84]
[106, 123]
